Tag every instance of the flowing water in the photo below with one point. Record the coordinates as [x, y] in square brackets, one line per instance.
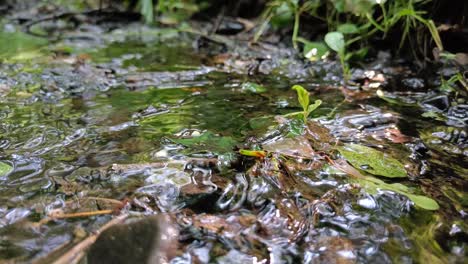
[150, 119]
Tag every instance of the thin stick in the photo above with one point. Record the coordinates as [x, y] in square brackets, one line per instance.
[74, 215]
[82, 214]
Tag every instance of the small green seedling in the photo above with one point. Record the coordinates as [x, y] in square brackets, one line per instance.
[304, 101]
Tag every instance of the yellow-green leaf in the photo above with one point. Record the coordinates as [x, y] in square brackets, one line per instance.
[253, 153]
[302, 96]
[5, 168]
[423, 201]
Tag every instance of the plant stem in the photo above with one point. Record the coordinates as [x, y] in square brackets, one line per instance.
[297, 14]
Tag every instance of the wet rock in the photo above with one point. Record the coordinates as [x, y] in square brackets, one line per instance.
[295, 147]
[440, 103]
[449, 139]
[448, 72]
[11, 216]
[459, 111]
[230, 27]
[461, 59]
[371, 120]
[235, 256]
[4, 89]
[209, 46]
[413, 83]
[357, 75]
[149, 240]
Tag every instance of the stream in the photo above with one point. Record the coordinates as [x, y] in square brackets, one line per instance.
[152, 120]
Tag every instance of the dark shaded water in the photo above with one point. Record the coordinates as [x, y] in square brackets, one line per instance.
[119, 123]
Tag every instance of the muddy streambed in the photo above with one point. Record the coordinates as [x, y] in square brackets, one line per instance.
[150, 123]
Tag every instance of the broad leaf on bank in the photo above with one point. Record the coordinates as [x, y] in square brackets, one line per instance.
[315, 50]
[209, 142]
[335, 40]
[348, 28]
[147, 11]
[372, 161]
[357, 7]
[5, 168]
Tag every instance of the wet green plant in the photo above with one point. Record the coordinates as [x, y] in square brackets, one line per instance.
[357, 21]
[170, 11]
[283, 12]
[448, 85]
[373, 185]
[147, 10]
[304, 101]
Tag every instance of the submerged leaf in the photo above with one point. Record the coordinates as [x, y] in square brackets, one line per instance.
[372, 185]
[348, 28]
[208, 141]
[253, 87]
[5, 168]
[372, 161]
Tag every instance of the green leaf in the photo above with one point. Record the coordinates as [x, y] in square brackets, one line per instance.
[371, 185]
[348, 28]
[283, 16]
[357, 7]
[147, 10]
[357, 55]
[253, 153]
[335, 40]
[253, 87]
[5, 169]
[302, 96]
[261, 122]
[208, 141]
[20, 45]
[423, 201]
[315, 50]
[372, 161]
[313, 106]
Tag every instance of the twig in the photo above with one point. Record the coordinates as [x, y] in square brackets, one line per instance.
[74, 215]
